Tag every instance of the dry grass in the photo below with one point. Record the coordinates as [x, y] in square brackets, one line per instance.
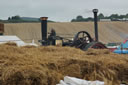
[47, 65]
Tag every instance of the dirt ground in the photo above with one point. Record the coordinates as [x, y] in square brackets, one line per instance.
[31, 65]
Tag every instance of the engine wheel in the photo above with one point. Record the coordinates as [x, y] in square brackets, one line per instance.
[95, 45]
[81, 39]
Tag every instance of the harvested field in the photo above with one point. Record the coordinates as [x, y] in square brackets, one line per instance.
[47, 65]
[108, 31]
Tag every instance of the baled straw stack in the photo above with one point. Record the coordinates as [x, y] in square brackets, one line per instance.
[48, 65]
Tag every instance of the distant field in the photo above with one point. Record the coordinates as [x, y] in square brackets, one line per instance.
[108, 31]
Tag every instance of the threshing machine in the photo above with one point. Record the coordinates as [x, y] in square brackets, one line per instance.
[82, 39]
[123, 48]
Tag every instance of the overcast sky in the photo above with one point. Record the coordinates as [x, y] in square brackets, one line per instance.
[60, 10]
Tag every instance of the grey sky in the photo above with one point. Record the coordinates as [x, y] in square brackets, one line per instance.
[60, 10]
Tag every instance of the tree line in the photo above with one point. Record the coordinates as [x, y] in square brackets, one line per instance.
[18, 19]
[112, 17]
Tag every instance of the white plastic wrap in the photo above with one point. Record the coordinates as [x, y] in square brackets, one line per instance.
[75, 81]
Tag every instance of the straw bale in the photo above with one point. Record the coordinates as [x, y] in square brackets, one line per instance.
[10, 44]
[24, 75]
[92, 51]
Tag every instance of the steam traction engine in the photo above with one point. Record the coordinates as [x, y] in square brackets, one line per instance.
[82, 39]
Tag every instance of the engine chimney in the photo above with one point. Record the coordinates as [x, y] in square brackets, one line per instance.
[95, 11]
[44, 29]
